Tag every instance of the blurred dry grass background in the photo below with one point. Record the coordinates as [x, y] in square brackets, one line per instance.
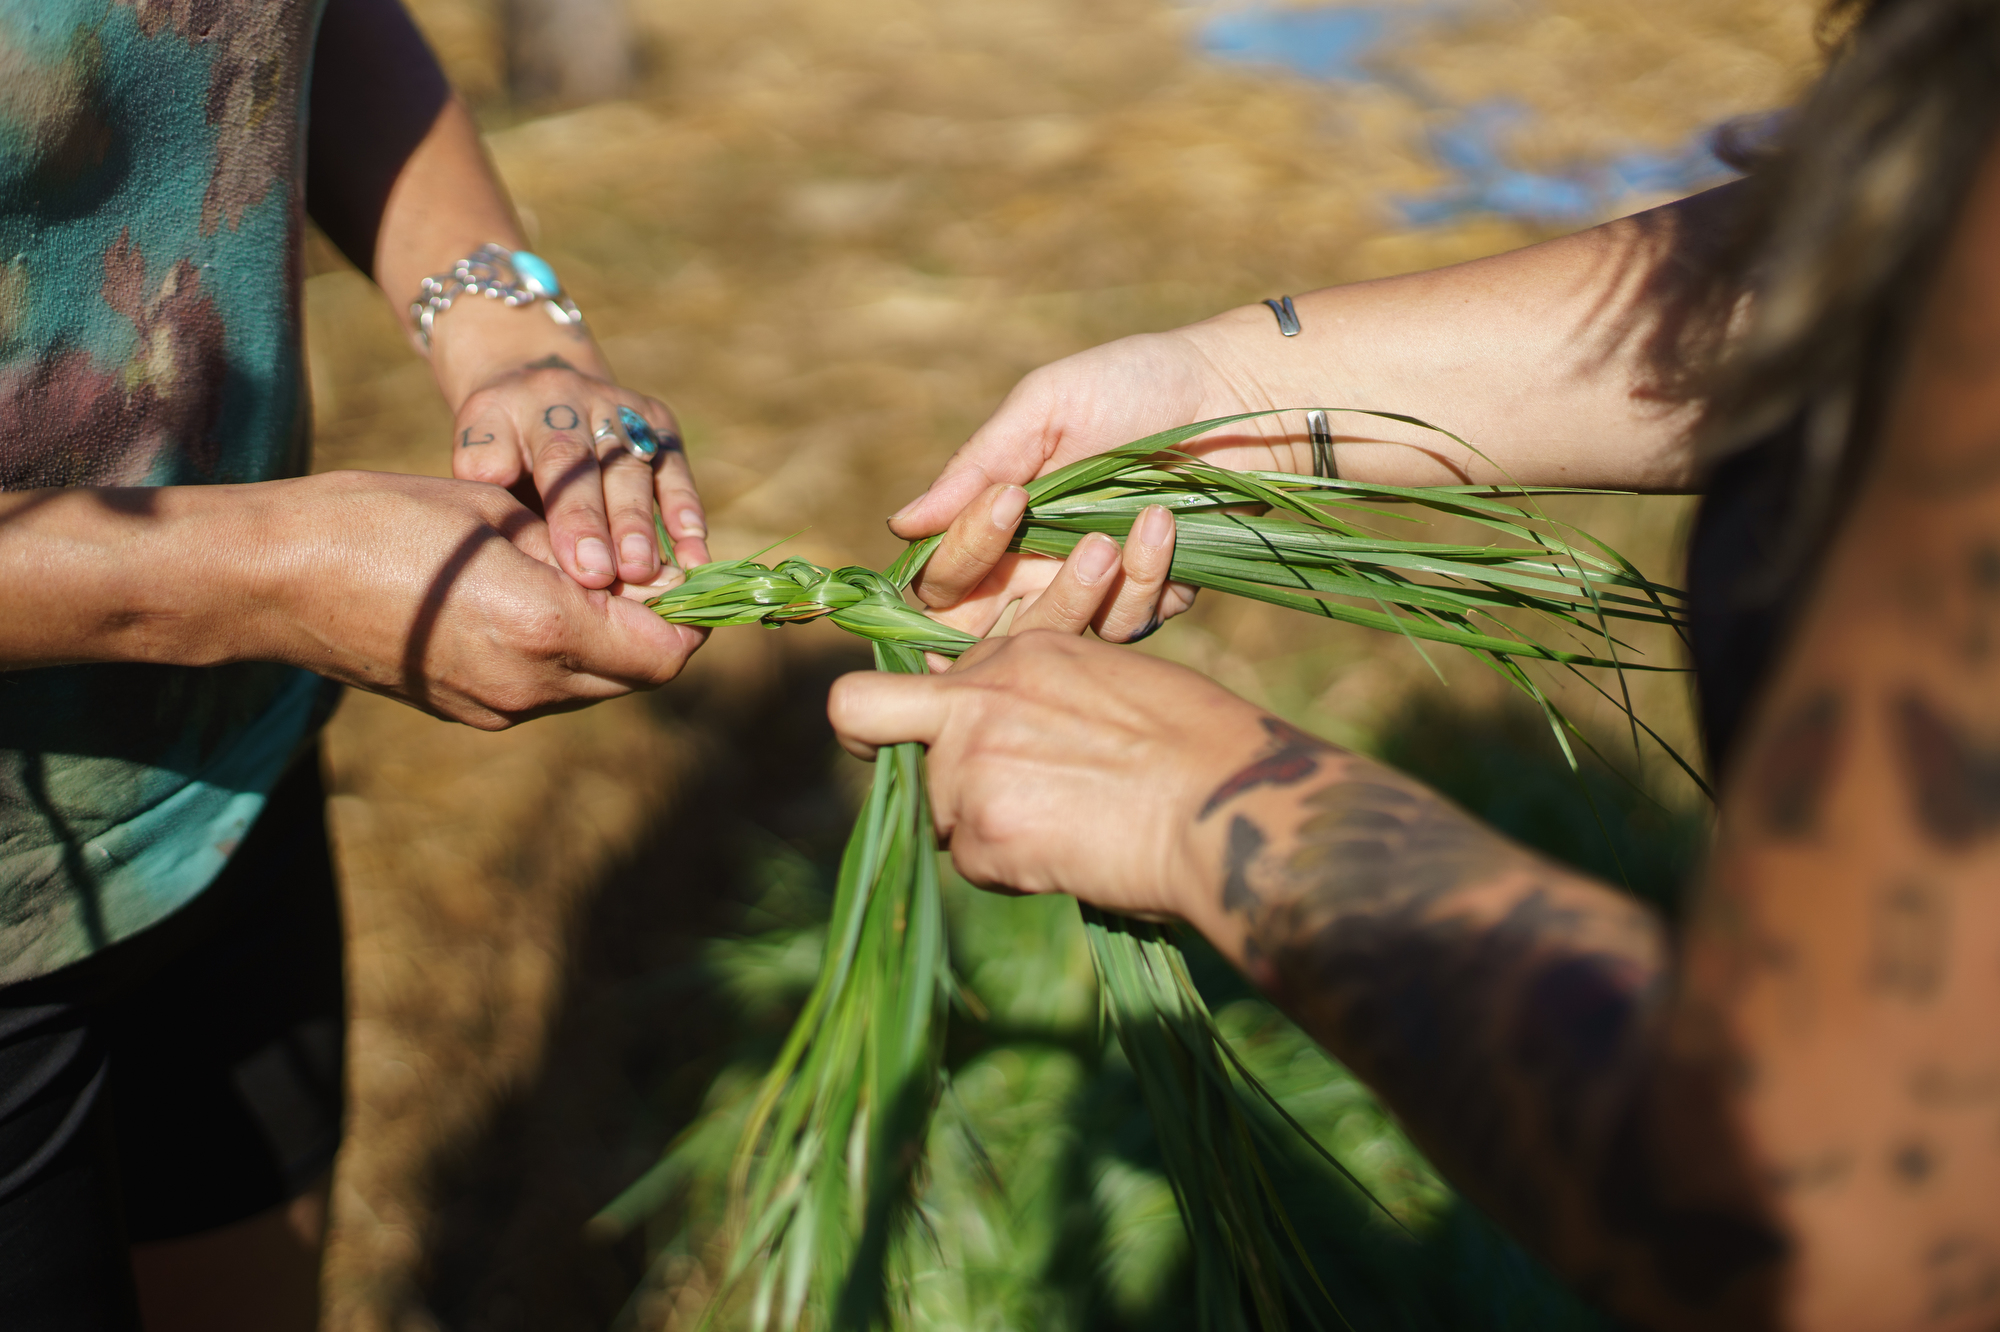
[833, 233]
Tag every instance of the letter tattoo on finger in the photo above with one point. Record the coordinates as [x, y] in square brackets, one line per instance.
[466, 441]
[562, 416]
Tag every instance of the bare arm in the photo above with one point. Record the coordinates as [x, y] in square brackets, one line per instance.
[440, 593]
[1791, 1122]
[1561, 362]
[401, 183]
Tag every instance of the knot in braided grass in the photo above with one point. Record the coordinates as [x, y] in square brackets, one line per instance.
[859, 600]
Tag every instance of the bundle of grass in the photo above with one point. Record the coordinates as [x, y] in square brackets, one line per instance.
[831, 1152]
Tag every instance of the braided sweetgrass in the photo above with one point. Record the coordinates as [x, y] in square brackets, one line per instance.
[830, 1161]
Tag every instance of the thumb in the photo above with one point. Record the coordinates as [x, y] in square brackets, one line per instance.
[870, 709]
[1010, 449]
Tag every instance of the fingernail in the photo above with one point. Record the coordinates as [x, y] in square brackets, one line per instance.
[1008, 508]
[594, 557]
[1156, 527]
[692, 524]
[637, 550]
[907, 509]
[1098, 557]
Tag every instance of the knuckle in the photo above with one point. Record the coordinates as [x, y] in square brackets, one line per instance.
[539, 631]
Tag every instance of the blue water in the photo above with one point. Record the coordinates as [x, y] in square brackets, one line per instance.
[1334, 42]
[1487, 183]
[1319, 43]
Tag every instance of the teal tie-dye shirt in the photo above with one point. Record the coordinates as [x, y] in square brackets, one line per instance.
[151, 200]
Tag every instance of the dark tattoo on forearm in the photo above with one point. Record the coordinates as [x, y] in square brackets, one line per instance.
[1798, 766]
[1246, 843]
[1521, 1040]
[550, 363]
[1912, 934]
[466, 441]
[1955, 780]
[1292, 757]
[562, 416]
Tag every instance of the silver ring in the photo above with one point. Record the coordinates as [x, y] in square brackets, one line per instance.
[604, 432]
[640, 441]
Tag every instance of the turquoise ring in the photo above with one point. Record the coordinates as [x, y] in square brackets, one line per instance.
[639, 437]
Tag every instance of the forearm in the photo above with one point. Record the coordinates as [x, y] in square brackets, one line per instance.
[401, 182]
[1567, 363]
[168, 575]
[1517, 1016]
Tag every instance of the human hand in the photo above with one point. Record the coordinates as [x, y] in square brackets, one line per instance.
[533, 428]
[1061, 765]
[1123, 599]
[446, 595]
[1075, 408]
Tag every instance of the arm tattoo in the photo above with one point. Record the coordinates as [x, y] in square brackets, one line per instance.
[1824, 1171]
[1955, 780]
[1912, 936]
[1913, 1163]
[562, 416]
[466, 441]
[1799, 765]
[1937, 1088]
[1246, 843]
[1516, 1021]
[1963, 1275]
[1292, 757]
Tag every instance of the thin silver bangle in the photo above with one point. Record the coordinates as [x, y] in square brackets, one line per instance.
[1322, 446]
[1288, 315]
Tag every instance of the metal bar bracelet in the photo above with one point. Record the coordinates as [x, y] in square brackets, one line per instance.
[1288, 315]
[1322, 446]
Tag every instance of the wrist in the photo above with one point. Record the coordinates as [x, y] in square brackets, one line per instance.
[478, 341]
[1254, 361]
[1230, 743]
[244, 550]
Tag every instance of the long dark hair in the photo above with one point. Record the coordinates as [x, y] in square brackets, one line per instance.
[1851, 202]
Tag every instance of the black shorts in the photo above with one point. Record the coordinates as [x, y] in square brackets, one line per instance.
[180, 1080]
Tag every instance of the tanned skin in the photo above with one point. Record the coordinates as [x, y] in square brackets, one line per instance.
[1788, 1115]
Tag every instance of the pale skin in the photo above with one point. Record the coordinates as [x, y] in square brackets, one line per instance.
[455, 596]
[1560, 360]
[1787, 1115]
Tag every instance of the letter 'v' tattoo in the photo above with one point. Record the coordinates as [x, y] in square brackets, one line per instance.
[1292, 757]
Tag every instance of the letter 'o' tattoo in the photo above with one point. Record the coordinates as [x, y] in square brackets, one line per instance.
[562, 416]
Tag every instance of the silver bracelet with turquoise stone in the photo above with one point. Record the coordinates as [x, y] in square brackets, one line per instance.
[512, 277]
